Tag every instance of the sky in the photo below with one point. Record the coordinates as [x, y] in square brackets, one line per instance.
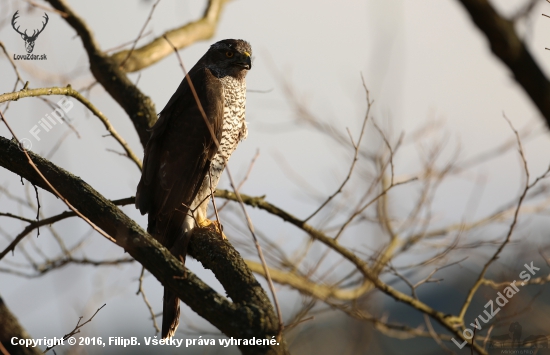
[422, 61]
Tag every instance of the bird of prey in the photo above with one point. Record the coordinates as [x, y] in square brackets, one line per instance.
[188, 149]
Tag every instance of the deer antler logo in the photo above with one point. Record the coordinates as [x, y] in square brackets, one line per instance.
[29, 40]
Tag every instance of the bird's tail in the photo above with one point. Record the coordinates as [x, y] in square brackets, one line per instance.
[171, 303]
[170, 314]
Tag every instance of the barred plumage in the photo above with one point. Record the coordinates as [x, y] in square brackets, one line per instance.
[181, 154]
[234, 130]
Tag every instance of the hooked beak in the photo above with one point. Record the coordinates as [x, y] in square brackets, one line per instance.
[244, 61]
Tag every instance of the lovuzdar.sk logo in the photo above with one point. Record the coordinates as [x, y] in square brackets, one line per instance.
[29, 39]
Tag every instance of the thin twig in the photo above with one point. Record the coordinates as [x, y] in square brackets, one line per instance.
[58, 263]
[69, 91]
[140, 34]
[140, 290]
[76, 329]
[192, 87]
[93, 225]
[292, 325]
[37, 209]
[19, 79]
[526, 188]
[243, 179]
[3, 350]
[194, 31]
[366, 205]
[66, 119]
[260, 253]
[355, 155]
[435, 336]
[7, 214]
[51, 9]
[388, 145]
[214, 202]
[120, 46]
[524, 11]
[46, 221]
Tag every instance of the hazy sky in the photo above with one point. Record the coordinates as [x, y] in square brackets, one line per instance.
[422, 60]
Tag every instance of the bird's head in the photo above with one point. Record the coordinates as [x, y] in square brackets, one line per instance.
[229, 57]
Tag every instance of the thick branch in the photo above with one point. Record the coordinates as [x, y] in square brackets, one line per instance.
[251, 314]
[10, 327]
[308, 287]
[181, 37]
[137, 105]
[509, 48]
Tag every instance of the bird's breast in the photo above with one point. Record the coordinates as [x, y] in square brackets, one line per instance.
[234, 93]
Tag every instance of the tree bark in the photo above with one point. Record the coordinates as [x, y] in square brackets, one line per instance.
[139, 107]
[511, 50]
[9, 328]
[250, 314]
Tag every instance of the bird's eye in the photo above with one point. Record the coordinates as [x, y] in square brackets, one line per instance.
[229, 54]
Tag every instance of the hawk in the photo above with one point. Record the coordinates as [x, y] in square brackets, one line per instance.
[188, 150]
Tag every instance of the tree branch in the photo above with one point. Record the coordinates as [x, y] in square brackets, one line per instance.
[10, 327]
[137, 105]
[181, 37]
[69, 91]
[311, 288]
[509, 48]
[250, 313]
[446, 320]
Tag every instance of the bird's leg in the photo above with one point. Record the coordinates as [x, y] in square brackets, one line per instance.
[216, 225]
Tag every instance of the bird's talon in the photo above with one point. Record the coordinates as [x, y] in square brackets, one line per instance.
[216, 226]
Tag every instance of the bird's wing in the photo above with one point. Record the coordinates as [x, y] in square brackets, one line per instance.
[178, 154]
